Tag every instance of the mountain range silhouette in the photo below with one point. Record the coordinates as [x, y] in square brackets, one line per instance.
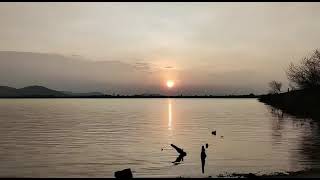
[44, 92]
[6, 91]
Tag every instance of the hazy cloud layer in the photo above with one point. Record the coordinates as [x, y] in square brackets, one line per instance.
[19, 69]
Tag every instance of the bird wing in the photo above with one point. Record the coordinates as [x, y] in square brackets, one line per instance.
[177, 149]
[179, 158]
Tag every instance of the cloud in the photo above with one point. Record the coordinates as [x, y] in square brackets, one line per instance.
[169, 67]
[71, 73]
[142, 66]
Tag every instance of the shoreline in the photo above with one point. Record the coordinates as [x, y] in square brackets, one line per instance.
[132, 97]
[309, 173]
[300, 103]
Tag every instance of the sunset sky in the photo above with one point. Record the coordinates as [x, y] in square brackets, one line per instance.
[213, 48]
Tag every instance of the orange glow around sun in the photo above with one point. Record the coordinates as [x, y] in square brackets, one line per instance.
[170, 83]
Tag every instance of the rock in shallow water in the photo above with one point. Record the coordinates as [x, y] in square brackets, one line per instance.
[126, 173]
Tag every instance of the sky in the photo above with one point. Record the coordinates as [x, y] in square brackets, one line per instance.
[206, 48]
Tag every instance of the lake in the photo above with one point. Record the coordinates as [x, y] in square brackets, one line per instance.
[96, 137]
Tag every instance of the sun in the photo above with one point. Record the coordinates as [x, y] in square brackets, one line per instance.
[170, 83]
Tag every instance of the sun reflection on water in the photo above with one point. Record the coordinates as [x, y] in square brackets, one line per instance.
[169, 115]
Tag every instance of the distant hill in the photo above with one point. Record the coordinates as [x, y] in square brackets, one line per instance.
[6, 91]
[40, 91]
[29, 91]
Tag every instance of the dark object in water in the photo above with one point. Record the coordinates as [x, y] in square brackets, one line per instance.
[207, 145]
[221, 136]
[179, 158]
[214, 132]
[250, 175]
[126, 173]
[181, 152]
[203, 158]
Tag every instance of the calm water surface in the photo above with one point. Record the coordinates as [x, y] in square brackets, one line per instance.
[96, 137]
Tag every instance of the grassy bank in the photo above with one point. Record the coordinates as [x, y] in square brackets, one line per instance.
[302, 103]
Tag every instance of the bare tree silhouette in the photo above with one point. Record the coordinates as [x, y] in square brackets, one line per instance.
[275, 86]
[307, 73]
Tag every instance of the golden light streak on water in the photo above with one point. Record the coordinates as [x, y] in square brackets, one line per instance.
[170, 115]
